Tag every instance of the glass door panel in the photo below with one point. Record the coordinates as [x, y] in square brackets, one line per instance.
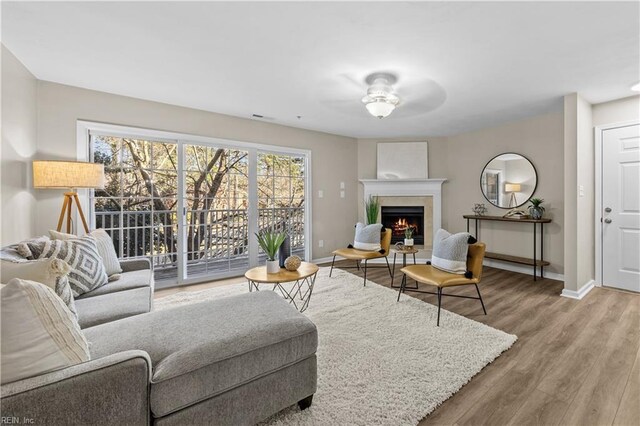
[216, 199]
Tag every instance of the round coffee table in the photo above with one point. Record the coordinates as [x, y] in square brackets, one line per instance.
[302, 281]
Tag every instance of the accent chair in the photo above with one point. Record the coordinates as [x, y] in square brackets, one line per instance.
[427, 274]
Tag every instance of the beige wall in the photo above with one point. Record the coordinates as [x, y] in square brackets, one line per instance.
[585, 210]
[367, 159]
[618, 111]
[19, 131]
[333, 157]
[579, 187]
[461, 158]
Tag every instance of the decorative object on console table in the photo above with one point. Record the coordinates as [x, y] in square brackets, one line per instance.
[479, 209]
[408, 234]
[535, 262]
[371, 208]
[536, 208]
[270, 242]
[69, 175]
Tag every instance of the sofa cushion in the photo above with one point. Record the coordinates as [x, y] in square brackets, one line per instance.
[127, 281]
[201, 350]
[113, 306]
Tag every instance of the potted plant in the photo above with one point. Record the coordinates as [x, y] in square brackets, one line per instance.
[535, 209]
[408, 236]
[371, 208]
[270, 242]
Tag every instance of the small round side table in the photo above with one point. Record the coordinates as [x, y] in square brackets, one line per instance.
[302, 281]
[404, 252]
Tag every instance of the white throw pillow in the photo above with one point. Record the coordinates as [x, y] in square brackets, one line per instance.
[51, 272]
[106, 250]
[39, 333]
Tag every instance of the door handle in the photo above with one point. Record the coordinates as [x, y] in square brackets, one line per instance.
[608, 210]
[607, 220]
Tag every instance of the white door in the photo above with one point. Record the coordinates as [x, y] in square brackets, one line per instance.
[621, 207]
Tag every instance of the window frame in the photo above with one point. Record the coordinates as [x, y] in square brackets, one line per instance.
[84, 130]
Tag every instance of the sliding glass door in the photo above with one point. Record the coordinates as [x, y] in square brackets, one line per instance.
[192, 207]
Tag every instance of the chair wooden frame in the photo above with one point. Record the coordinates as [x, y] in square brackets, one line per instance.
[427, 274]
[362, 255]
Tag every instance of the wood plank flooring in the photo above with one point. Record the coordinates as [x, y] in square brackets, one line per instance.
[575, 362]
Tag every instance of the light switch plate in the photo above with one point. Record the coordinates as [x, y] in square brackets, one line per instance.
[341, 194]
[341, 185]
[320, 243]
[320, 193]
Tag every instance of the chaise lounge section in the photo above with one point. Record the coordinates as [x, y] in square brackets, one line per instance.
[236, 360]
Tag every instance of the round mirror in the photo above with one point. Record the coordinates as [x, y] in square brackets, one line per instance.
[508, 180]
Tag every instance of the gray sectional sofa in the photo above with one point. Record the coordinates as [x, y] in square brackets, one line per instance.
[231, 361]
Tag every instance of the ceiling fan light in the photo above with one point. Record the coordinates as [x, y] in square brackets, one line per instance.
[380, 108]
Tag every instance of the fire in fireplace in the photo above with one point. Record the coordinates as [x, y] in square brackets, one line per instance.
[399, 218]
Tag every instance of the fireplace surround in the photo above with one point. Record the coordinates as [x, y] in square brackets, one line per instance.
[410, 192]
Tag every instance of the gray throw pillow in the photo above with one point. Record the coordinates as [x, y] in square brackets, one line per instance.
[367, 237]
[81, 254]
[450, 251]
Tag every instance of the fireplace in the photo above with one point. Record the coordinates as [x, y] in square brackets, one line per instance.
[399, 218]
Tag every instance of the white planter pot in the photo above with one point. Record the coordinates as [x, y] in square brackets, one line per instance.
[273, 266]
[408, 242]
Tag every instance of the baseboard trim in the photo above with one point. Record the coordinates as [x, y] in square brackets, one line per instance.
[582, 292]
[322, 260]
[487, 262]
[521, 269]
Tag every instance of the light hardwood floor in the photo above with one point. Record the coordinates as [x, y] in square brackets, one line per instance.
[575, 362]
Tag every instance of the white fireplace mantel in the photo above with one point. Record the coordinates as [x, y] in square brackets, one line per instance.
[408, 188]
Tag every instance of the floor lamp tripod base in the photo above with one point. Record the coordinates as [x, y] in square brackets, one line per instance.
[70, 198]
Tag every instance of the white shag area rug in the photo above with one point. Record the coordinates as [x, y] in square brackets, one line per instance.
[379, 362]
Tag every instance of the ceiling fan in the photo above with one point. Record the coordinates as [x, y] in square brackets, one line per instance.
[382, 93]
[380, 99]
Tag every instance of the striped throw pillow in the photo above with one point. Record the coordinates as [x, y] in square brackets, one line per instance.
[39, 333]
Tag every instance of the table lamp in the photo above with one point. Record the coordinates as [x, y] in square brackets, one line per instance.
[512, 188]
[68, 175]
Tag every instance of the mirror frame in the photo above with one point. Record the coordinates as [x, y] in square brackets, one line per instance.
[535, 187]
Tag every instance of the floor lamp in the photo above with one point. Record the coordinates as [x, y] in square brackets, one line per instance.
[69, 175]
[512, 188]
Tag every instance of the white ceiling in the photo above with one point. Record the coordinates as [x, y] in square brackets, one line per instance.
[460, 66]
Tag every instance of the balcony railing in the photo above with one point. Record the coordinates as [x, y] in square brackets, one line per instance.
[217, 241]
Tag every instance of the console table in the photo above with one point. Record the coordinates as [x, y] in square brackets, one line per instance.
[535, 262]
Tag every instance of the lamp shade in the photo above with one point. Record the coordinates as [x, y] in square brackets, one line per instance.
[512, 187]
[67, 174]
